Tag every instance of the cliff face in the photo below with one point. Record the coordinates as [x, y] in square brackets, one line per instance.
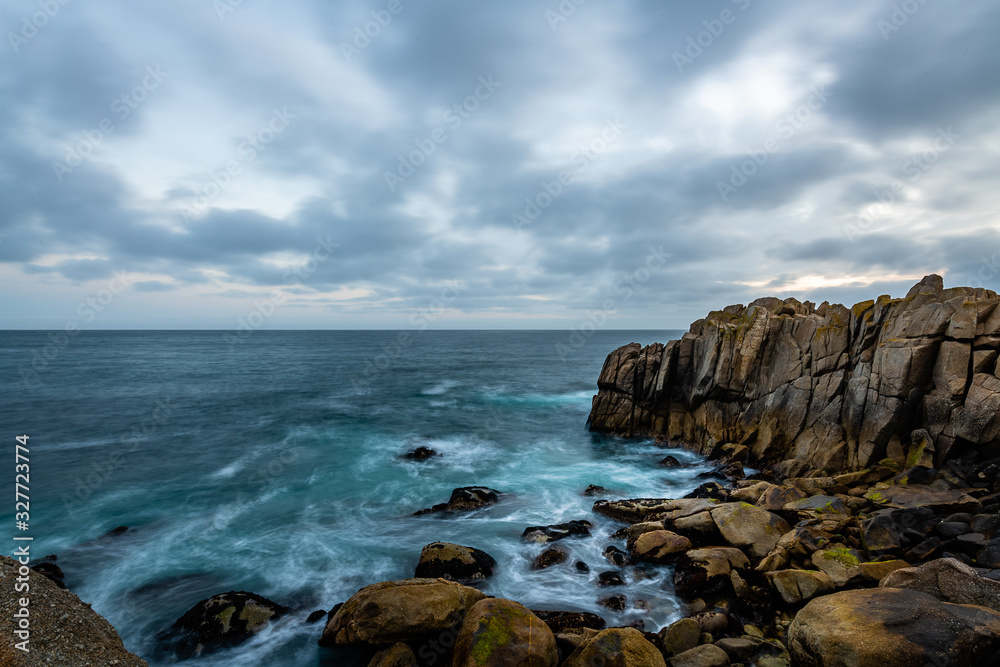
[837, 388]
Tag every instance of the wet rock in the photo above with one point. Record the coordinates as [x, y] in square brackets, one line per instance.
[499, 633]
[614, 602]
[710, 490]
[738, 649]
[708, 655]
[420, 454]
[639, 510]
[795, 586]
[948, 580]
[679, 636]
[316, 616]
[220, 622]
[617, 557]
[465, 499]
[912, 496]
[549, 558]
[543, 534]
[776, 497]
[698, 527]
[891, 627]
[596, 491]
[399, 611]
[749, 527]
[616, 647]
[455, 562]
[115, 532]
[561, 621]
[659, 546]
[707, 571]
[751, 494]
[841, 564]
[670, 462]
[610, 578]
[712, 622]
[397, 655]
[581, 566]
[52, 572]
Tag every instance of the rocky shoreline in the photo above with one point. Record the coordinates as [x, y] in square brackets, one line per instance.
[868, 535]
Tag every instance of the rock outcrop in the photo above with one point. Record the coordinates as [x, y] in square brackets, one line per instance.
[219, 622]
[63, 630]
[836, 388]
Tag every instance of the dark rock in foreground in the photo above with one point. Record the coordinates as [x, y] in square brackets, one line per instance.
[219, 622]
[836, 388]
[454, 562]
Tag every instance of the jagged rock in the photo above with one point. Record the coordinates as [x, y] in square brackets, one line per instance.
[397, 655]
[315, 616]
[706, 571]
[680, 636]
[549, 558]
[640, 510]
[947, 580]
[610, 578]
[560, 531]
[64, 630]
[617, 557]
[670, 462]
[891, 627]
[221, 621]
[617, 647]
[498, 633]
[595, 490]
[659, 546]
[51, 571]
[832, 387]
[915, 496]
[465, 499]
[455, 562]
[749, 527]
[420, 454]
[399, 611]
[560, 621]
[797, 585]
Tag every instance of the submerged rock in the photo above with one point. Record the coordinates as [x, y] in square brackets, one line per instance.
[890, 627]
[549, 558]
[221, 621]
[559, 531]
[421, 454]
[455, 562]
[465, 499]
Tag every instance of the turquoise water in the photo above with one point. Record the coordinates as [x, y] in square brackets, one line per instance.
[272, 465]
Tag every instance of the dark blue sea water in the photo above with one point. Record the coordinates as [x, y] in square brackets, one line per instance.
[272, 465]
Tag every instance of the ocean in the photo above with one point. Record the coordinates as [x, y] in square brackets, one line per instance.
[271, 464]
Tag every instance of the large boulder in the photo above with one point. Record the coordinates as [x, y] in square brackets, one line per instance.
[221, 621]
[400, 611]
[616, 647]
[833, 387]
[659, 546]
[455, 562]
[64, 632]
[949, 580]
[502, 633]
[891, 627]
[748, 527]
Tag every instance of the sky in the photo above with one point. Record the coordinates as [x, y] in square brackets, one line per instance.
[405, 163]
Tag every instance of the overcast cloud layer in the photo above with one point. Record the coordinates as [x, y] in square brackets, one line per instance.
[348, 164]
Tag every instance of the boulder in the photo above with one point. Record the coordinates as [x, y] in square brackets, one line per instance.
[420, 454]
[877, 571]
[680, 636]
[617, 557]
[502, 633]
[639, 510]
[399, 611]
[559, 531]
[614, 602]
[949, 580]
[891, 627]
[708, 655]
[221, 621]
[397, 655]
[912, 496]
[549, 558]
[841, 564]
[610, 578]
[707, 571]
[616, 647]
[65, 631]
[595, 490]
[465, 499]
[452, 561]
[746, 526]
[796, 586]
[659, 546]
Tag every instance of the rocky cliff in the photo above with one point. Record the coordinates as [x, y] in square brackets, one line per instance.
[834, 387]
